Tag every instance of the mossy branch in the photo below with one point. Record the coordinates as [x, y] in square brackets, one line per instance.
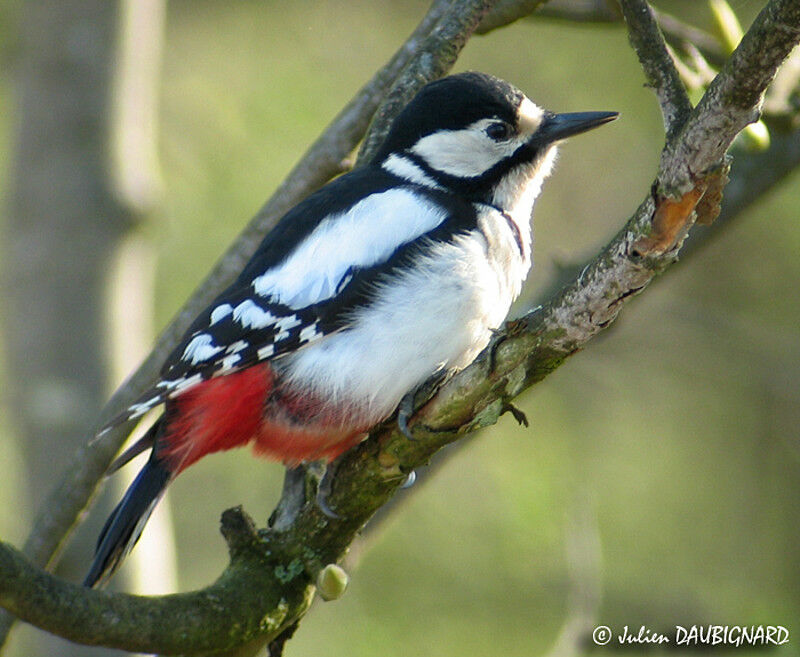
[270, 580]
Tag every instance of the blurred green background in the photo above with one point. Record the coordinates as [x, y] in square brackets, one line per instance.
[661, 471]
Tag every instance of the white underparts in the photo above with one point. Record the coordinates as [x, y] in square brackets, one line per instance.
[436, 316]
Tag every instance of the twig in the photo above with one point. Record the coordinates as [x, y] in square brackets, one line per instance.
[199, 622]
[658, 67]
[582, 11]
[677, 33]
[506, 12]
[446, 40]
[734, 98]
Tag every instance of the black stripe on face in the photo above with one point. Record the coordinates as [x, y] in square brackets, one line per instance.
[481, 188]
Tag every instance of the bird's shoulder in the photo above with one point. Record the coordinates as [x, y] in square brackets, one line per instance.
[351, 208]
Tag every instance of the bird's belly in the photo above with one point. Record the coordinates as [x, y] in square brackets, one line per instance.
[437, 317]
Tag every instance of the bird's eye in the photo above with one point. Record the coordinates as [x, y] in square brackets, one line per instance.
[499, 131]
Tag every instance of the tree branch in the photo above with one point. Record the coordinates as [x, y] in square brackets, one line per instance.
[734, 97]
[676, 32]
[434, 59]
[506, 12]
[274, 569]
[658, 67]
[754, 174]
[215, 619]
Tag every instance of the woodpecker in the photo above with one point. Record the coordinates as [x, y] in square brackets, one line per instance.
[387, 275]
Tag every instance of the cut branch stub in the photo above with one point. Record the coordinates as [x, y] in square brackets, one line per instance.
[671, 222]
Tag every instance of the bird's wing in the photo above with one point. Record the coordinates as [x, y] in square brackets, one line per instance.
[321, 261]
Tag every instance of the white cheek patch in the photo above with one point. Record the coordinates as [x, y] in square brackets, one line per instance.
[463, 153]
[529, 117]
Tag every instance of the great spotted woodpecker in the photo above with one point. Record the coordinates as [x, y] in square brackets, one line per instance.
[393, 272]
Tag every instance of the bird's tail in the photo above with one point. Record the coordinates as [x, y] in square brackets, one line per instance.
[126, 522]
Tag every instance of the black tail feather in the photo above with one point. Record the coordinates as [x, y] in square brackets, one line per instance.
[126, 522]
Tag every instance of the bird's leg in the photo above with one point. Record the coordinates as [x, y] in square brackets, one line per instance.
[404, 412]
[293, 498]
[326, 473]
[415, 398]
[498, 338]
[517, 413]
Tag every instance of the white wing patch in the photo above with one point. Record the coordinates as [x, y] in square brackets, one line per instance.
[236, 347]
[221, 312]
[177, 386]
[137, 410]
[229, 362]
[201, 348]
[309, 333]
[368, 233]
[266, 352]
[249, 315]
[286, 324]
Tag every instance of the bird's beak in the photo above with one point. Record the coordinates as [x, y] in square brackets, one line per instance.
[560, 126]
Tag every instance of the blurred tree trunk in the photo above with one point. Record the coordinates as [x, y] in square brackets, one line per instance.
[71, 204]
[135, 173]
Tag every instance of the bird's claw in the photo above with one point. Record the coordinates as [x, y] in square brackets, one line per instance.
[518, 414]
[498, 338]
[404, 412]
[408, 404]
[324, 491]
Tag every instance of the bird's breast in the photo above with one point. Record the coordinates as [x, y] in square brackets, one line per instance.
[436, 315]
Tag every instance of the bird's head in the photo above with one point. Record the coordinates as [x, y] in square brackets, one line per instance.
[480, 137]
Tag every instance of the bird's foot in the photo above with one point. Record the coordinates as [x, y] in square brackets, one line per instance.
[518, 414]
[415, 398]
[404, 412]
[325, 487]
[498, 338]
